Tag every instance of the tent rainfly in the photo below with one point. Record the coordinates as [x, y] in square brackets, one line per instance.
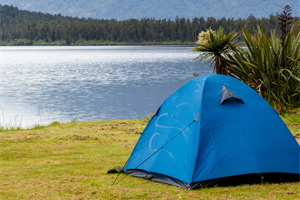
[215, 130]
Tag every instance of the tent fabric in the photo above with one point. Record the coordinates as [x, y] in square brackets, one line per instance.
[231, 139]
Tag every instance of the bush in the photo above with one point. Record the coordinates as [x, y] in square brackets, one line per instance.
[269, 67]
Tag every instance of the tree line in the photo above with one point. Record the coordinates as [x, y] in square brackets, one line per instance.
[18, 24]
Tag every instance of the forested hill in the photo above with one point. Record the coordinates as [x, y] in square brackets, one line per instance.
[138, 9]
[18, 27]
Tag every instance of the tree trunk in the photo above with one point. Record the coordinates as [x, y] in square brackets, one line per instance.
[220, 66]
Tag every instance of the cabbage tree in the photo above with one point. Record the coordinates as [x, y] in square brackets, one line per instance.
[215, 47]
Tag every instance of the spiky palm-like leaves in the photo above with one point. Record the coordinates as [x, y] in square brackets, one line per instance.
[272, 69]
[215, 50]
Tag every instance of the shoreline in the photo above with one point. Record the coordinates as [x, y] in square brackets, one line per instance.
[97, 44]
[23, 42]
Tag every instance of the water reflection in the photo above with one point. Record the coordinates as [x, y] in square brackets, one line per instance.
[44, 84]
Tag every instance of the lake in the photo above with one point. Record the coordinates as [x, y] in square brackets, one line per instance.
[40, 85]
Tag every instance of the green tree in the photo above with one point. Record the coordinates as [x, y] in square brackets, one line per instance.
[216, 49]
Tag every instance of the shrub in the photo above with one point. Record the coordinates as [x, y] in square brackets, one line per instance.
[269, 67]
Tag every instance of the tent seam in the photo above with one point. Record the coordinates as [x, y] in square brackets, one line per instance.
[199, 121]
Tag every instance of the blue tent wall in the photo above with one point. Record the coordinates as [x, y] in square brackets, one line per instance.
[231, 139]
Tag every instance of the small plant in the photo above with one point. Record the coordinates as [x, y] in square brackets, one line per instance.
[37, 126]
[148, 117]
[55, 123]
[11, 126]
[74, 119]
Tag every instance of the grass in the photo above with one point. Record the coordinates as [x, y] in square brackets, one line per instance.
[9, 127]
[70, 161]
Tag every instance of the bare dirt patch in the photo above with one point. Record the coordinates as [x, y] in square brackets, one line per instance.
[29, 137]
[82, 137]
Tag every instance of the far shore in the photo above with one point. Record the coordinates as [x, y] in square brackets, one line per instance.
[23, 42]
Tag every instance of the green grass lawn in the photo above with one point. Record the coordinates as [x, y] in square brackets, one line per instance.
[70, 161]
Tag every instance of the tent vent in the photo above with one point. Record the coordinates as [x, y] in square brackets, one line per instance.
[227, 95]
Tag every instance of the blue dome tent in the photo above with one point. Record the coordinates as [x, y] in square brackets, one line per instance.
[213, 128]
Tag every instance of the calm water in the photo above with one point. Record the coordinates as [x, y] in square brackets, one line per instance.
[40, 85]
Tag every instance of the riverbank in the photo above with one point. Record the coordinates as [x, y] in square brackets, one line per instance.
[70, 161]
